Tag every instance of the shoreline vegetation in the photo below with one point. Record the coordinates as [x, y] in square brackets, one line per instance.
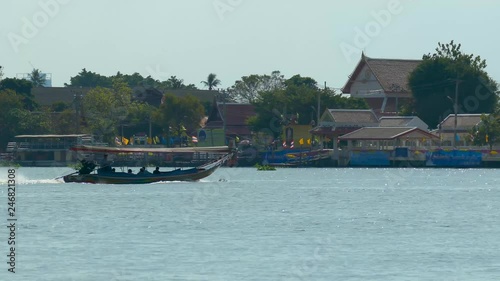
[265, 167]
[115, 108]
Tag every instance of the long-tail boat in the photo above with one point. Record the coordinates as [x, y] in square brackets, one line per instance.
[106, 175]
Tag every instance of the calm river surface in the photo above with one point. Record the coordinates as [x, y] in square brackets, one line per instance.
[244, 224]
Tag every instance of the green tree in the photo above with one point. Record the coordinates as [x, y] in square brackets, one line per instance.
[299, 81]
[37, 78]
[21, 87]
[104, 109]
[176, 113]
[247, 89]
[90, 79]
[59, 106]
[487, 132]
[138, 119]
[133, 80]
[136, 79]
[175, 83]
[212, 82]
[63, 122]
[296, 103]
[15, 119]
[435, 81]
[9, 101]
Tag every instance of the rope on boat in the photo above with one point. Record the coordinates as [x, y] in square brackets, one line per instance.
[217, 162]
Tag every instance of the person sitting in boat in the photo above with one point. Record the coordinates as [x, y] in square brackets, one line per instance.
[143, 171]
[157, 170]
[129, 171]
[87, 167]
[105, 165]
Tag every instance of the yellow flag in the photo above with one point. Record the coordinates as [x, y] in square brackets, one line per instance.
[301, 141]
[124, 141]
[486, 138]
[308, 141]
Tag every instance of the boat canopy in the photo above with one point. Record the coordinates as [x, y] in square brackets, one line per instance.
[104, 149]
[51, 136]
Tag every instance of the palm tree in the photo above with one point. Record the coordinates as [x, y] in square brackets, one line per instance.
[212, 81]
[37, 78]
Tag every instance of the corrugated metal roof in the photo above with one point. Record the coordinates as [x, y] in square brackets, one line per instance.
[395, 121]
[354, 116]
[386, 133]
[464, 121]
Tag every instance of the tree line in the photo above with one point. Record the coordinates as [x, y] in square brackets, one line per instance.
[109, 108]
[451, 81]
[445, 78]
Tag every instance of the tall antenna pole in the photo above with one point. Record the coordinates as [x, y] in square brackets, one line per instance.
[319, 107]
[455, 109]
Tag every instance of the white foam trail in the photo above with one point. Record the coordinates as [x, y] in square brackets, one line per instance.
[41, 181]
[22, 180]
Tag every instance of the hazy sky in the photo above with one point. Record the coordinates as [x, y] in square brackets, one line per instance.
[321, 39]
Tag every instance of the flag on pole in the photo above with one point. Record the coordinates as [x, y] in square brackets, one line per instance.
[194, 139]
[309, 141]
[486, 138]
[301, 141]
[117, 141]
[124, 140]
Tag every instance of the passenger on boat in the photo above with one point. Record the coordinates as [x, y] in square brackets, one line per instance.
[143, 171]
[157, 170]
[105, 165]
[87, 167]
[129, 171]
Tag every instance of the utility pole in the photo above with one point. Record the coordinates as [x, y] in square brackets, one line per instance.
[150, 130]
[455, 109]
[225, 121]
[319, 106]
[77, 96]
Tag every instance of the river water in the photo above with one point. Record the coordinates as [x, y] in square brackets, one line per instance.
[244, 224]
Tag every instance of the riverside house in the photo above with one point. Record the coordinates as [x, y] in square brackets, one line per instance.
[226, 122]
[465, 124]
[382, 83]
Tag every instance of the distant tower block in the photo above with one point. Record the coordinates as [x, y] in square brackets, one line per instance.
[26, 76]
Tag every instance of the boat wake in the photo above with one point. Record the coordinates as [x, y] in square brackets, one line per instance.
[20, 180]
[42, 181]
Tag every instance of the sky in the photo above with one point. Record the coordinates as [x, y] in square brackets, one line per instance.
[321, 39]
